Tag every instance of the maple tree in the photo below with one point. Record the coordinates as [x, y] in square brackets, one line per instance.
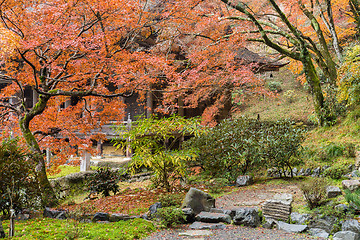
[79, 58]
[302, 31]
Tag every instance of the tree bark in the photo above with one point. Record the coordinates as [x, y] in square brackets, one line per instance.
[47, 192]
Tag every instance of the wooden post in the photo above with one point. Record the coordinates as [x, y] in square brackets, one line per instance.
[181, 111]
[12, 222]
[149, 104]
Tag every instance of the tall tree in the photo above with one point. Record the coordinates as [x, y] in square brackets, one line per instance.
[78, 58]
[302, 31]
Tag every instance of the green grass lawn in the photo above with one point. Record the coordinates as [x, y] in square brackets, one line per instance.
[46, 228]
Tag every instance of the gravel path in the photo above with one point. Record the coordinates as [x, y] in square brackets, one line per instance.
[251, 196]
[232, 233]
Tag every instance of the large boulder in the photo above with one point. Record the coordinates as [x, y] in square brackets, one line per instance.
[100, 216]
[352, 185]
[51, 213]
[293, 228]
[198, 201]
[70, 184]
[333, 191]
[299, 218]
[116, 217]
[247, 216]
[346, 235]
[351, 225]
[244, 180]
[209, 217]
[326, 223]
[318, 232]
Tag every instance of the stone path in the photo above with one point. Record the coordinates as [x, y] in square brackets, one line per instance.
[251, 196]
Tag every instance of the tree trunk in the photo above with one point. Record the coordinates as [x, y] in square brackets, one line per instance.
[47, 193]
[313, 79]
[2, 233]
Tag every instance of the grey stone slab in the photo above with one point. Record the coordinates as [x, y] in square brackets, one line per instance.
[293, 228]
[346, 235]
[213, 217]
[196, 233]
[202, 225]
[352, 185]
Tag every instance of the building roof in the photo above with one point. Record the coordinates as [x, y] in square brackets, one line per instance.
[260, 63]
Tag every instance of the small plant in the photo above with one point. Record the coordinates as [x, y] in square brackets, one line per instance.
[170, 200]
[103, 181]
[336, 171]
[16, 173]
[275, 86]
[217, 185]
[314, 191]
[157, 145]
[171, 216]
[353, 198]
[290, 96]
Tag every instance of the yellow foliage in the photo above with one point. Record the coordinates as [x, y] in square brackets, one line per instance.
[349, 76]
[9, 41]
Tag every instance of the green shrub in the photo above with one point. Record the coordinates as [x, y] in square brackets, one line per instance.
[334, 150]
[235, 146]
[274, 86]
[336, 171]
[217, 185]
[314, 190]
[156, 144]
[353, 198]
[103, 181]
[171, 216]
[171, 200]
[229, 149]
[280, 144]
[18, 177]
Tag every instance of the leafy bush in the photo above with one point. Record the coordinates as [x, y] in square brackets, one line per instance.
[336, 171]
[103, 181]
[229, 149]
[353, 198]
[154, 142]
[171, 200]
[17, 176]
[274, 86]
[171, 216]
[216, 185]
[280, 143]
[314, 191]
[235, 146]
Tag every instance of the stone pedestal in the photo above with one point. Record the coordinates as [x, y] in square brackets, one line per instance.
[278, 208]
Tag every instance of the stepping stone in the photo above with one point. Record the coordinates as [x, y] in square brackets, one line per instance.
[333, 191]
[292, 228]
[196, 233]
[202, 225]
[209, 217]
[352, 185]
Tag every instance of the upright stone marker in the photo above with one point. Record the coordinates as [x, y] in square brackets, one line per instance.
[85, 162]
